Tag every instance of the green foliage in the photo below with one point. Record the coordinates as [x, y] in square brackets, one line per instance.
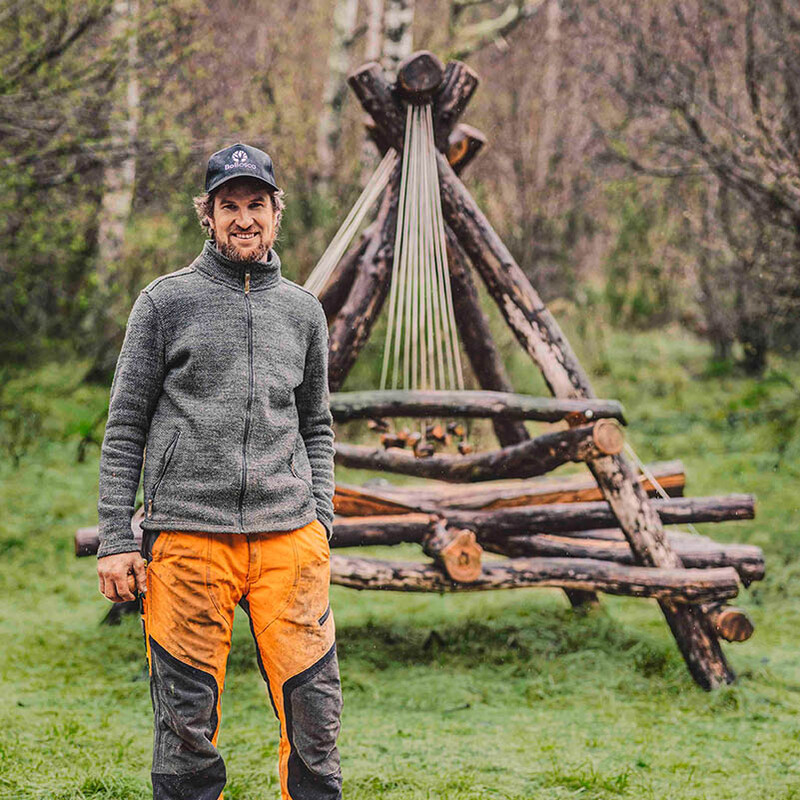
[639, 288]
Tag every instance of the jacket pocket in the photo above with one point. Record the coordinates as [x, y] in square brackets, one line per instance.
[294, 468]
[165, 459]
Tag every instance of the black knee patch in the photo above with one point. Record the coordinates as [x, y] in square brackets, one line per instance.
[313, 704]
[185, 761]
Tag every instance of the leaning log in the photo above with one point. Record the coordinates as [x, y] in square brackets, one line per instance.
[534, 457]
[352, 326]
[458, 85]
[677, 585]
[334, 293]
[347, 406]
[476, 337]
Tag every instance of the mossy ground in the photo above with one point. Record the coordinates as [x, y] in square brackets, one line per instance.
[498, 695]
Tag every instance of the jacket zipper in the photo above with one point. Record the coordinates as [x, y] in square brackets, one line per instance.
[165, 459]
[250, 381]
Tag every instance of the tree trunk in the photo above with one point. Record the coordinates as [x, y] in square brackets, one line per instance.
[119, 178]
[398, 33]
[329, 128]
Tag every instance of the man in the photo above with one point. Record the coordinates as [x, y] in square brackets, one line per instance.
[223, 376]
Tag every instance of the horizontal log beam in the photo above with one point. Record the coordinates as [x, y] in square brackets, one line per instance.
[747, 560]
[561, 517]
[677, 585]
[534, 457]
[534, 491]
[499, 525]
[347, 406]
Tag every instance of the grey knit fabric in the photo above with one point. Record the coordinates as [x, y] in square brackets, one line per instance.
[228, 390]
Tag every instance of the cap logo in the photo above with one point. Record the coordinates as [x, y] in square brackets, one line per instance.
[240, 161]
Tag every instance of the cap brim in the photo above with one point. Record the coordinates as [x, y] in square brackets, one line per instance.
[240, 174]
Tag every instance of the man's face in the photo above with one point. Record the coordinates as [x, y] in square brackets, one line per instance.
[244, 221]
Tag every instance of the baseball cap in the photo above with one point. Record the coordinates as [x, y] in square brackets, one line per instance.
[238, 161]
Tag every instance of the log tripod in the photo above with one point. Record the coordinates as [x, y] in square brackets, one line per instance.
[580, 534]
[472, 240]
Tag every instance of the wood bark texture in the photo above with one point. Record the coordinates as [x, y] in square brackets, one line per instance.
[534, 457]
[677, 585]
[346, 406]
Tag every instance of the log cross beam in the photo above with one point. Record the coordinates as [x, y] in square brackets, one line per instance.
[539, 334]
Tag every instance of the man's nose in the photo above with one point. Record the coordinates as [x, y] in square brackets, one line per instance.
[244, 220]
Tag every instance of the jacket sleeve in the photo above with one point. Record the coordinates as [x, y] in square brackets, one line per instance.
[137, 384]
[315, 420]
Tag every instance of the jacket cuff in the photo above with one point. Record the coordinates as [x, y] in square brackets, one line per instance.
[120, 546]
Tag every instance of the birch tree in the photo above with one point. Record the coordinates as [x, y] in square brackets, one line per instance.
[345, 16]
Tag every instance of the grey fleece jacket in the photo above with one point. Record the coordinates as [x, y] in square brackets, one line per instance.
[223, 375]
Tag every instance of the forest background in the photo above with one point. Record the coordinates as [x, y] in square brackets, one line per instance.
[642, 166]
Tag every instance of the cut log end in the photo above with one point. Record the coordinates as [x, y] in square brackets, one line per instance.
[457, 552]
[731, 623]
[608, 436]
[419, 76]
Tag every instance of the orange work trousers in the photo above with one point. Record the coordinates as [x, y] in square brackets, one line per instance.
[194, 583]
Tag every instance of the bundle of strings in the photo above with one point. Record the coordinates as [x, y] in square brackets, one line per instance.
[421, 344]
[372, 191]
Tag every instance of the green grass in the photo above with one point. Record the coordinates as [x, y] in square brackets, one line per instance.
[501, 695]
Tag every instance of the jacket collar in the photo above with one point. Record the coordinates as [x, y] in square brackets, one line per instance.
[232, 273]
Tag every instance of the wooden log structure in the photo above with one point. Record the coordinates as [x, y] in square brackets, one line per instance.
[534, 457]
[540, 335]
[347, 406]
[677, 585]
[334, 294]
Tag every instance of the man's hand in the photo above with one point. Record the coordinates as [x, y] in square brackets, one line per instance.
[120, 575]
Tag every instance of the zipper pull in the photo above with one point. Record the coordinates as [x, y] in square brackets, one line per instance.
[247, 283]
[150, 507]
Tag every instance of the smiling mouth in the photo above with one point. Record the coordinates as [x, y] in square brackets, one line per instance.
[244, 236]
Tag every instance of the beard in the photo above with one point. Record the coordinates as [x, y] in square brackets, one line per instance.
[232, 252]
